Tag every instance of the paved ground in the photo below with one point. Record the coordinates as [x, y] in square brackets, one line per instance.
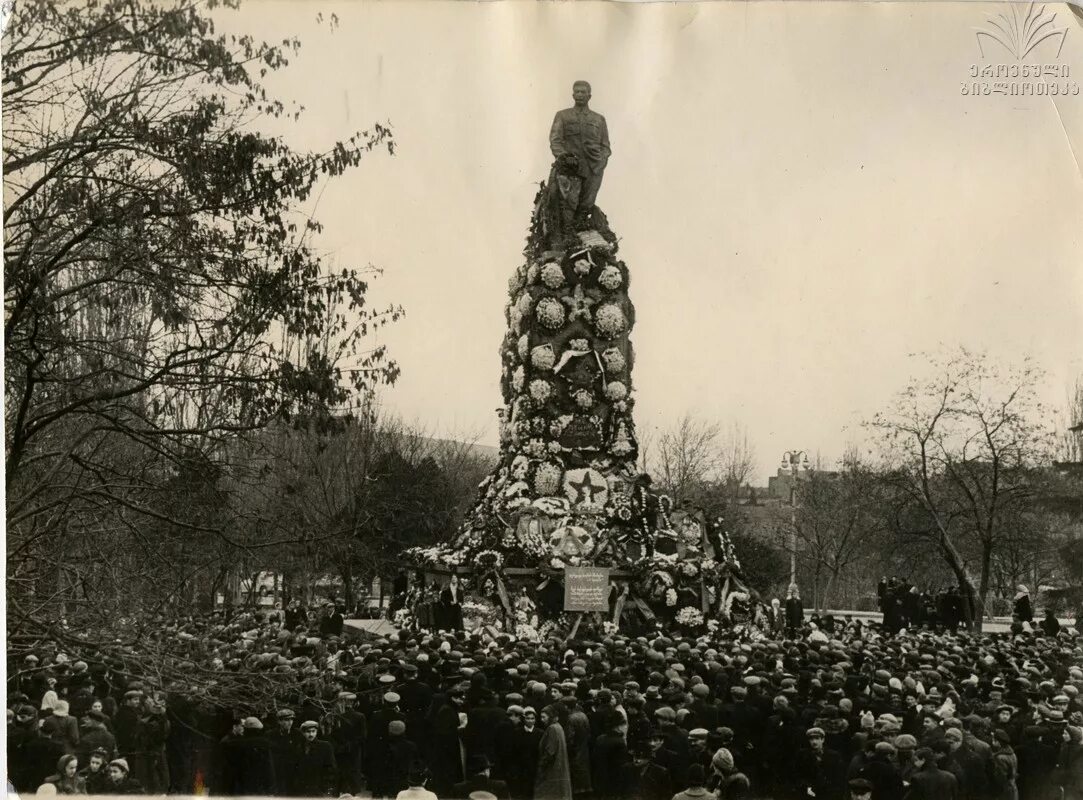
[994, 625]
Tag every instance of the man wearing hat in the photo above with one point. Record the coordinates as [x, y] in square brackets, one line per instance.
[128, 730]
[705, 711]
[928, 780]
[252, 771]
[860, 789]
[819, 772]
[313, 771]
[284, 741]
[415, 701]
[345, 729]
[478, 779]
[94, 735]
[401, 756]
[120, 779]
[378, 755]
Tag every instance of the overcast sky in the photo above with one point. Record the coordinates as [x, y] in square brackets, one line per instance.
[803, 194]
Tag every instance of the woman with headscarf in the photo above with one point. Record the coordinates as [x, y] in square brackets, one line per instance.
[62, 728]
[554, 778]
[1021, 607]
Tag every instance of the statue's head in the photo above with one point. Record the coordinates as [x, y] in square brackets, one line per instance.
[581, 92]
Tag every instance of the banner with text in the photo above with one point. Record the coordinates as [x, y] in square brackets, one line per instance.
[586, 589]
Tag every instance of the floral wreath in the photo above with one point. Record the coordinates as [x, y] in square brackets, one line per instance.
[727, 609]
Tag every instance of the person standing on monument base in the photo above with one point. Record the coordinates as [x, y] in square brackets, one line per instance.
[579, 140]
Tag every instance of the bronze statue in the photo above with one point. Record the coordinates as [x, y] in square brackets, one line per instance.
[579, 140]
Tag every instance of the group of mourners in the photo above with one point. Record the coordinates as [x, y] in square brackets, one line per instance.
[842, 711]
[904, 605]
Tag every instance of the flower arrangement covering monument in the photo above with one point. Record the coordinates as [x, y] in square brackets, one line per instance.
[566, 491]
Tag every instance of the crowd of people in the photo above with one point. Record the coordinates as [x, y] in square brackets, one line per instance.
[833, 711]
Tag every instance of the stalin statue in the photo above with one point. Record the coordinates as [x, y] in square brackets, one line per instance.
[579, 140]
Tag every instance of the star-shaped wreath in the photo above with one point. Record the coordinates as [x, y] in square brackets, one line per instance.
[578, 304]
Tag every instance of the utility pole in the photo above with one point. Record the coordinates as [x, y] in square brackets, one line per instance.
[794, 461]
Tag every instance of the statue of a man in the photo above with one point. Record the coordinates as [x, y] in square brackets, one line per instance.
[579, 140]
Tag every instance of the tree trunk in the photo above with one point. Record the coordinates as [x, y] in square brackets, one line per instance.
[832, 578]
[983, 588]
[347, 587]
[955, 562]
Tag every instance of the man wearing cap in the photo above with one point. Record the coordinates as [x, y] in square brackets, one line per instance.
[415, 701]
[578, 735]
[705, 711]
[818, 771]
[747, 723]
[252, 771]
[967, 767]
[284, 741]
[345, 729]
[860, 789]
[313, 769]
[121, 780]
[650, 777]
[609, 755]
[928, 781]
[401, 756]
[674, 750]
[378, 755]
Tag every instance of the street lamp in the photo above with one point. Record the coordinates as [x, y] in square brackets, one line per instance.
[794, 461]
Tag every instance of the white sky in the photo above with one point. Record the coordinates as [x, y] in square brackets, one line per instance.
[804, 195]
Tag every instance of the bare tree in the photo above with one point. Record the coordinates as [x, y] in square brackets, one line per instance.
[737, 459]
[688, 455]
[835, 522]
[958, 448]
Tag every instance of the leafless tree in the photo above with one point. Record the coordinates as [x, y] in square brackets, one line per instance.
[737, 460]
[688, 455]
[958, 448]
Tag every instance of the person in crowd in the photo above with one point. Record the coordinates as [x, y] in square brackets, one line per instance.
[697, 789]
[929, 782]
[767, 713]
[1068, 777]
[728, 782]
[1021, 607]
[95, 774]
[610, 756]
[416, 779]
[251, 770]
[553, 780]
[95, 736]
[312, 768]
[120, 779]
[795, 612]
[478, 770]
[1050, 625]
[67, 779]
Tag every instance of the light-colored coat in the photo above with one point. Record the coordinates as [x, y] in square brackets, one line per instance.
[554, 780]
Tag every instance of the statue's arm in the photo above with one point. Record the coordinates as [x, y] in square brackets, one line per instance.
[556, 137]
[606, 150]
